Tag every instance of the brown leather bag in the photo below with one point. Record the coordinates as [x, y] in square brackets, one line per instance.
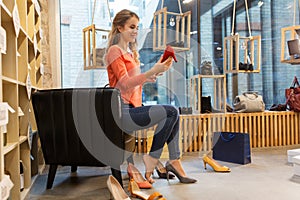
[292, 95]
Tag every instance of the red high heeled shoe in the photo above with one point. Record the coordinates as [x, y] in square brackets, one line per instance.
[134, 174]
[169, 51]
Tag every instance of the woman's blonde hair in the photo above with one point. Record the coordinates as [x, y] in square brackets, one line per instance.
[114, 35]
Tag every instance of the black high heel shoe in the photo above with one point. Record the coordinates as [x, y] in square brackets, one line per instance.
[182, 179]
[162, 172]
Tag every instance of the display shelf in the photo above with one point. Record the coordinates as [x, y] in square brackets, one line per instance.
[94, 44]
[22, 58]
[238, 49]
[30, 19]
[9, 80]
[22, 45]
[38, 72]
[218, 92]
[289, 33]
[31, 62]
[23, 139]
[24, 106]
[9, 60]
[12, 166]
[5, 14]
[9, 147]
[9, 4]
[25, 157]
[163, 35]
[21, 4]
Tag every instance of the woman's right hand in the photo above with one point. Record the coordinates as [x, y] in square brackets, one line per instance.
[161, 67]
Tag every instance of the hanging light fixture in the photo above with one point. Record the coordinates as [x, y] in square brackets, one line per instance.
[260, 3]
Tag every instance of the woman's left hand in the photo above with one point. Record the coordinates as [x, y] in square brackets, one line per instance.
[151, 79]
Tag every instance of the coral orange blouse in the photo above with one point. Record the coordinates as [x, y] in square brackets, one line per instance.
[125, 74]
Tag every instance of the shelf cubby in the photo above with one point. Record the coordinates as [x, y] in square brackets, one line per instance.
[30, 19]
[289, 33]
[9, 4]
[9, 60]
[22, 45]
[21, 4]
[12, 167]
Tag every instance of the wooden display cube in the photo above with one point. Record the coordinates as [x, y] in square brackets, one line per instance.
[94, 44]
[171, 28]
[218, 92]
[244, 50]
[289, 33]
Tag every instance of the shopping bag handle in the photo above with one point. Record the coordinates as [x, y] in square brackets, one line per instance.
[295, 83]
[230, 137]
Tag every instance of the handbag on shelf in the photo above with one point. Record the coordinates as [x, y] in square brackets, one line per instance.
[292, 96]
[206, 68]
[206, 104]
[232, 147]
[185, 110]
[248, 102]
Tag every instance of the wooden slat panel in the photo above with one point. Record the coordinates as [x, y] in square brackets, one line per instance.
[266, 129]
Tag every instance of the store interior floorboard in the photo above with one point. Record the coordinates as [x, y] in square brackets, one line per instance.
[268, 176]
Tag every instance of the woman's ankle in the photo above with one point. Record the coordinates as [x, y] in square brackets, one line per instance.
[150, 164]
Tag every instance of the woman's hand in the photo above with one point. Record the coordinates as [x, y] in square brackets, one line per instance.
[151, 79]
[159, 68]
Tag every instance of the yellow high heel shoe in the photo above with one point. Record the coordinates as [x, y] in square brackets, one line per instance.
[137, 193]
[116, 189]
[216, 166]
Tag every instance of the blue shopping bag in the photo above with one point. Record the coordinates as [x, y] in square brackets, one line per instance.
[232, 147]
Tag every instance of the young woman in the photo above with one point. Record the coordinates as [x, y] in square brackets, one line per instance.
[123, 67]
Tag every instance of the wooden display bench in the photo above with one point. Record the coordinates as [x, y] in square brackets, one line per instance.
[219, 91]
[288, 33]
[182, 23]
[233, 56]
[266, 129]
[93, 55]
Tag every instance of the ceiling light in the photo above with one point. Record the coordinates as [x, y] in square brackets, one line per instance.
[187, 1]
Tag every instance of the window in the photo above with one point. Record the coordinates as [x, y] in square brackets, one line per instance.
[215, 24]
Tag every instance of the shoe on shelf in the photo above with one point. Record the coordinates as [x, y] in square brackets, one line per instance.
[135, 174]
[182, 179]
[116, 189]
[137, 193]
[162, 172]
[216, 166]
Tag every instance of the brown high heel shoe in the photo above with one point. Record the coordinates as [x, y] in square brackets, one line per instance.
[162, 172]
[216, 166]
[134, 174]
[116, 189]
[182, 179]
